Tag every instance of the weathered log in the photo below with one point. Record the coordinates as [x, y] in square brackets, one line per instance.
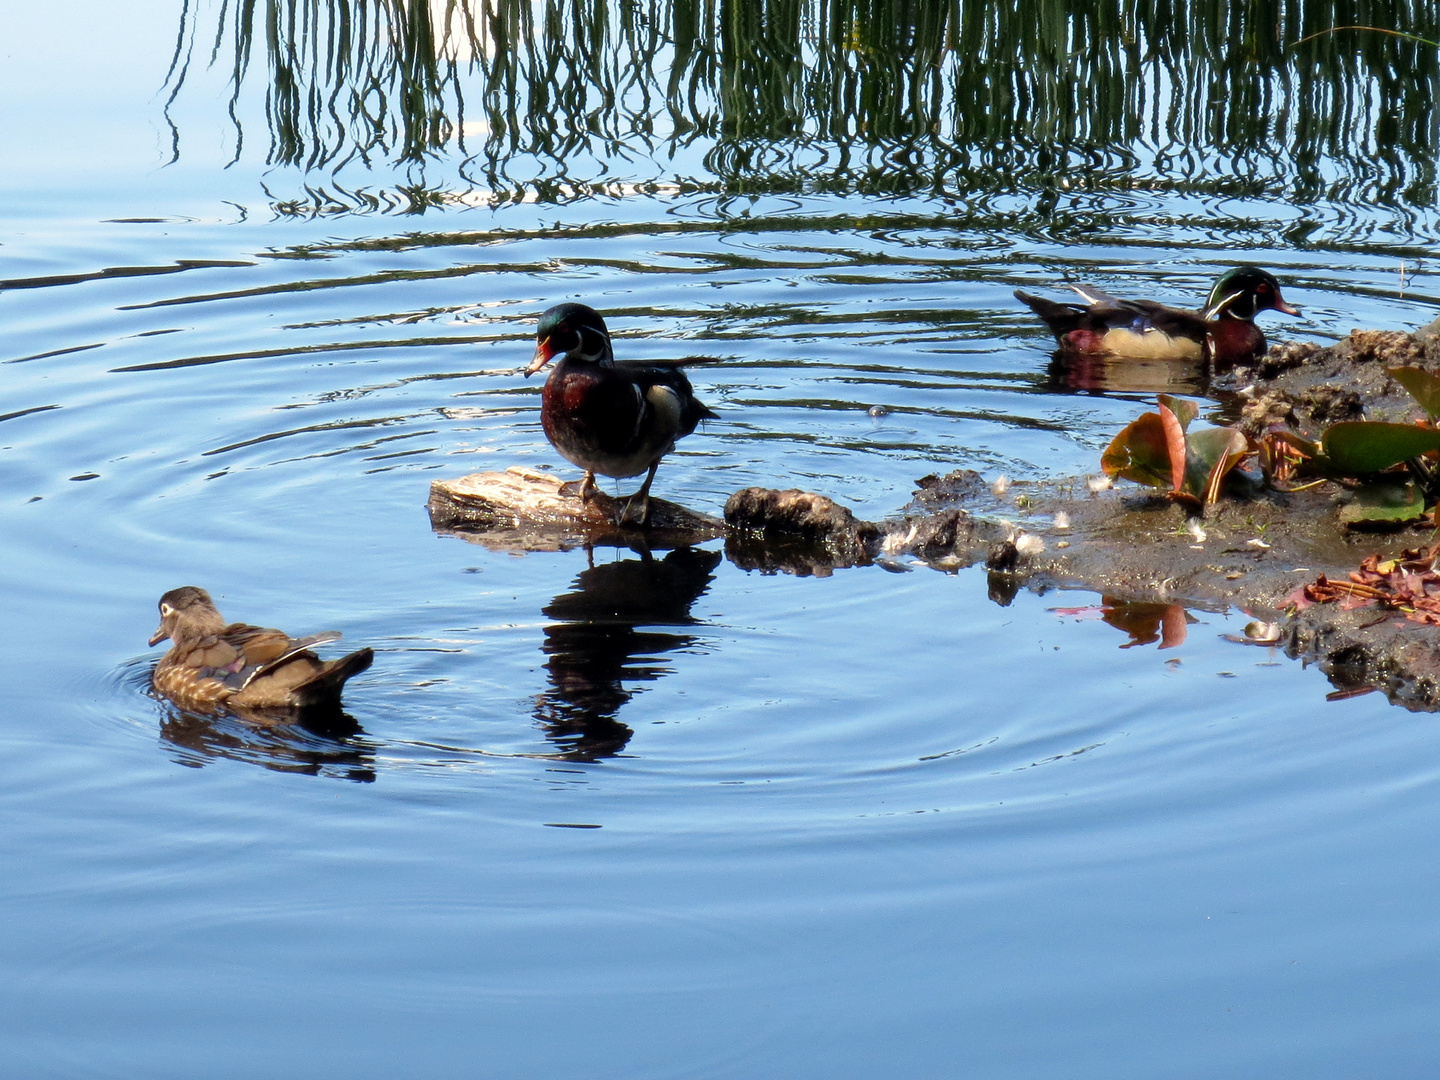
[525, 509]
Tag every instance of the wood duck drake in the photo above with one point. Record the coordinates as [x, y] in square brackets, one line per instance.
[1223, 332]
[242, 668]
[616, 418]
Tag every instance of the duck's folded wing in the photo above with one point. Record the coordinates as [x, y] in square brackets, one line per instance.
[264, 650]
[213, 657]
[1092, 295]
[1176, 322]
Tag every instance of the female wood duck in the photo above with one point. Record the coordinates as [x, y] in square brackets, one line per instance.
[241, 668]
[1224, 332]
[616, 418]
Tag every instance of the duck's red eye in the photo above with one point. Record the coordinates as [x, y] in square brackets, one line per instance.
[1262, 288]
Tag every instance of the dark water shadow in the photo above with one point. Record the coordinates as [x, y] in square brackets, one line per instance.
[602, 644]
[318, 744]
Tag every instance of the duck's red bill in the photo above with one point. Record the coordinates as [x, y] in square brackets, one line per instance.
[543, 355]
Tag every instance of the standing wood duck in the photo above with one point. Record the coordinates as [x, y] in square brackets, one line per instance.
[1223, 332]
[245, 669]
[616, 418]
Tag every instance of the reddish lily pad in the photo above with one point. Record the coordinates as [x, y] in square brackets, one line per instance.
[1357, 447]
[1175, 424]
[1209, 457]
[1141, 452]
[1183, 410]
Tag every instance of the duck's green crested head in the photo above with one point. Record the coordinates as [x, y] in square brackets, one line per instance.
[1244, 292]
[570, 330]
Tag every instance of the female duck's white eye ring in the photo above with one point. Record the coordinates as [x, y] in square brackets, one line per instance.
[166, 611]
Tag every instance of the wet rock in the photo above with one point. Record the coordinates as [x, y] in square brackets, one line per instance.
[796, 521]
[949, 532]
[934, 492]
[1004, 557]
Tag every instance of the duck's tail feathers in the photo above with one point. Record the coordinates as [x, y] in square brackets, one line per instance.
[1061, 318]
[323, 688]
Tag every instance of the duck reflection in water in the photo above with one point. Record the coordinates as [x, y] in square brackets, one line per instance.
[321, 743]
[1098, 373]
[596, 645]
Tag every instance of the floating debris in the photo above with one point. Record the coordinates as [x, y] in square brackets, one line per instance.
[1408, 584]
[1061, 520]
[878, 412]
[1196, 530]
[1097, 484]
[1256, 542]
[1000, 486]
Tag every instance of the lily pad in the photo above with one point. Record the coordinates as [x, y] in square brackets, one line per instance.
[1175, 424]
[1184, 411]
[1384, 502]
[1356, 447]
[1209, 456]
[1141, 452]
[1424, 387]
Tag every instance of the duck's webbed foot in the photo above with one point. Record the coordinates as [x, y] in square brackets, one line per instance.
[637, 508]
[584, 488]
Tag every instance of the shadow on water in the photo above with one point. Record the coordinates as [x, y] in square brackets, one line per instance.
[962, 100]
[320, 745]
[601, 644]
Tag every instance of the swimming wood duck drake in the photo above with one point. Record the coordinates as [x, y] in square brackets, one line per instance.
[246, 669]
[616, 418]
[1223, 332]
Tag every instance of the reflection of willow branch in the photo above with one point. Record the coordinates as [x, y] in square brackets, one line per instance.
[958, 97]
[347, 79]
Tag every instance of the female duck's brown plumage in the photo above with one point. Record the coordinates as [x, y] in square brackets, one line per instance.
[1223, 333]
[609, 417]
[213, 665]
